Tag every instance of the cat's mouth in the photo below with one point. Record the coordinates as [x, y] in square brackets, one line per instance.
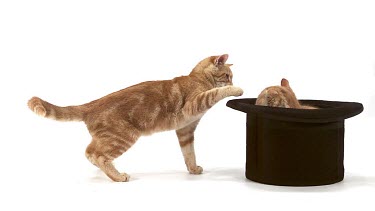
[223, 83]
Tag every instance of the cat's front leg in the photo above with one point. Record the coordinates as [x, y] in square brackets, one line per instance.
[186, 139]
[204, 101]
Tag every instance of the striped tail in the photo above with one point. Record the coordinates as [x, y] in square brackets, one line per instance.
[48, 110]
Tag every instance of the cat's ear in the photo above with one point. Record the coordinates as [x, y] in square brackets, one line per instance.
[284, 82]
[220, 60]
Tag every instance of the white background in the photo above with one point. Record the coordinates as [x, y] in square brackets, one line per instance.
[72, 52]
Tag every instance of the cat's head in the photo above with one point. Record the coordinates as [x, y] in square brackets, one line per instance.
[278, 96]
[215, 69]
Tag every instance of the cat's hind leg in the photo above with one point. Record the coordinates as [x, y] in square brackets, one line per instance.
[106, 147]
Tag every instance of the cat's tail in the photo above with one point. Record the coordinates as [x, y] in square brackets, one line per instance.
[48, 110]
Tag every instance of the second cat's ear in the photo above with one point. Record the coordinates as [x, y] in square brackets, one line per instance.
[220, 60]
[284, 82]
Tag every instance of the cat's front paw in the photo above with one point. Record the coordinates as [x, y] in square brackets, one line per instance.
[122, 177]
[235, 91]
[195, 170]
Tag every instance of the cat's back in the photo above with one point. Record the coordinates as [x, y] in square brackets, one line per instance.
[143, 104]
[145, 92]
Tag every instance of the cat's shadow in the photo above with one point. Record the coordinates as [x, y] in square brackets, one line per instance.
[350, 181]
[237, 175]
[208, 175]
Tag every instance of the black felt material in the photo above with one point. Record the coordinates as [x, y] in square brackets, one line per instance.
[295, 147]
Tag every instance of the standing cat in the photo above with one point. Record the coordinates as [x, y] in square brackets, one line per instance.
[117, 120]
[280, 96]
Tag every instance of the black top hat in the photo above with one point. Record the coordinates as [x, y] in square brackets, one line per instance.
[295, 147]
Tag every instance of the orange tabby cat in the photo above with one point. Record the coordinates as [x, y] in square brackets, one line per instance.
[117, 120]
[280, 96]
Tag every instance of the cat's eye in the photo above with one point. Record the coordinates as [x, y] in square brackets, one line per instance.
[228, 76]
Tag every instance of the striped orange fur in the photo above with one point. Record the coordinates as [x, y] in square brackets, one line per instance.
[280, 96]
[117, 120]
